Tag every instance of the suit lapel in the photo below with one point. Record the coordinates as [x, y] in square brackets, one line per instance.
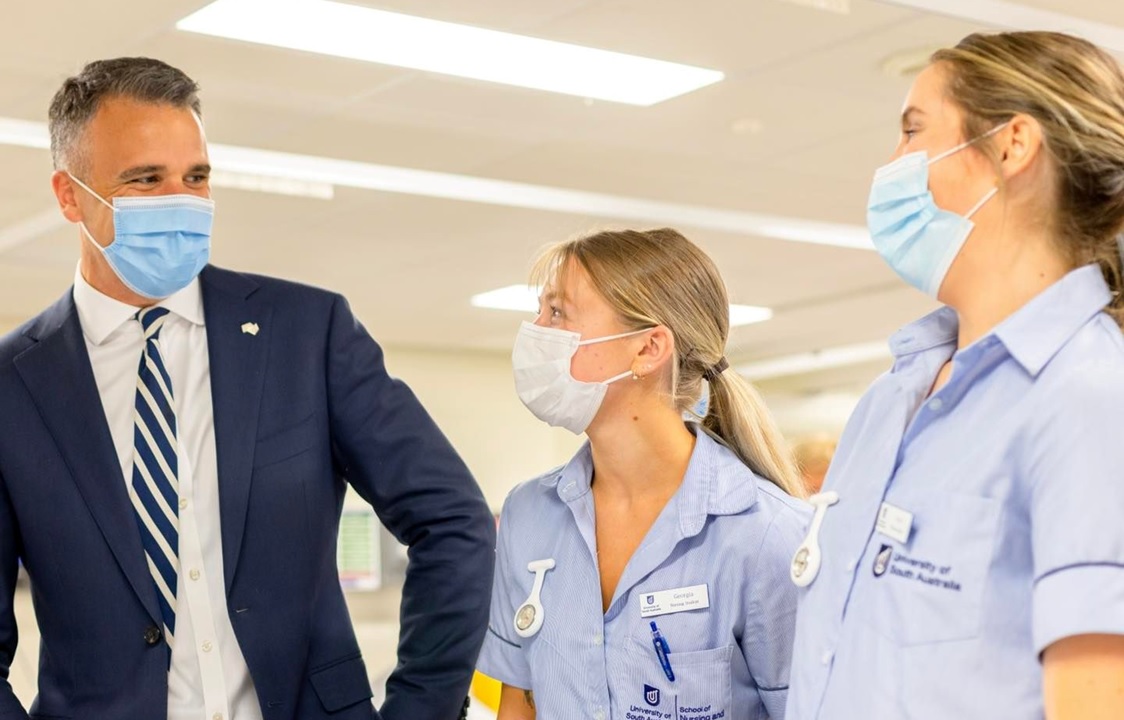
[238, 363]
[57, 373]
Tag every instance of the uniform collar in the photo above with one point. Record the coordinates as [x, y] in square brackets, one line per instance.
[1033, 334]
[938, 328]
[101, 315]
[1039, 329]
[716, 482]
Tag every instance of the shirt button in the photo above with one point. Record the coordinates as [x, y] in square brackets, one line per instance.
[599, 715]
[216, 716]
[183, 503]
[598, 639]
[194, 574]
[207, 646]
[826, 657]
[936, 404]
[852, 565]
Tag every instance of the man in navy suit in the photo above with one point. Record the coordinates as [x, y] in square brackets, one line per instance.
[175, 444]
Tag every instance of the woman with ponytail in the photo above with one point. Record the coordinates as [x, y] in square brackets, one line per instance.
[968, 554]
[648, 576]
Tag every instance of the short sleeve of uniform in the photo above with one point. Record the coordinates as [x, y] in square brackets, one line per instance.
[1074, 459]
[771, 621]
[502, 656]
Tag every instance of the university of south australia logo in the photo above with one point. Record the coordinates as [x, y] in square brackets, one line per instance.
[882, 560]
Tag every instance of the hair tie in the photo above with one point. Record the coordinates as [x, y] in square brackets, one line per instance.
[715, 370]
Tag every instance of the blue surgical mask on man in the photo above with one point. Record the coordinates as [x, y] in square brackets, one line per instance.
[160, 243]
[917, 239]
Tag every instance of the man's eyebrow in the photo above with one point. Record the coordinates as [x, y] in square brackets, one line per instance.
[141, 170]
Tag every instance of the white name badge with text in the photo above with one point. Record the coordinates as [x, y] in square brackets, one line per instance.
[894, 523]
[665, 602]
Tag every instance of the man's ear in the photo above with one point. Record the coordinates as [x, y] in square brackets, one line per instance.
[66, 191]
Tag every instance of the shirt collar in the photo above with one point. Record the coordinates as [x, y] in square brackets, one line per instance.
[939, 327]
[1039, 329]
[101, 315]
[1033, 334]
[716, 482]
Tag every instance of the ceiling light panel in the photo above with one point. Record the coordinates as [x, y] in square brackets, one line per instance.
[378, 36]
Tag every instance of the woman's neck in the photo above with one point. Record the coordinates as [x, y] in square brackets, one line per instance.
[642, 451]
[1021, 267]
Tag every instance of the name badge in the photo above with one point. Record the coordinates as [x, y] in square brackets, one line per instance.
[894, 523]
[665, 602]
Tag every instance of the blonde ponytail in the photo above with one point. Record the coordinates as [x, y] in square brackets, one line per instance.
[737, 414]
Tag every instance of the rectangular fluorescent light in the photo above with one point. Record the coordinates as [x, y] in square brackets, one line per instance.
[378, 36]
[1013, 15]
[315, 170]
[803, 363]
[521, 298]
[748, 315]
[841, 7]
[24, 133]
[525, 298]
[427, 183]
[267, 184]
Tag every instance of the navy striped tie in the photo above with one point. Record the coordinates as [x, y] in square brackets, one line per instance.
[155, 487]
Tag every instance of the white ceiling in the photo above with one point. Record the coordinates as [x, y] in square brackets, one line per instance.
[807, 84]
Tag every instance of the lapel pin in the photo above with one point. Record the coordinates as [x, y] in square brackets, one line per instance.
[250, 328]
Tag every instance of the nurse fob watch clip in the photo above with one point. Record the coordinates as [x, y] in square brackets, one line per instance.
[529, 616]
[806, 562]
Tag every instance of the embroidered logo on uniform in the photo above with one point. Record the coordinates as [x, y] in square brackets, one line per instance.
[651, 695]
[882, 560]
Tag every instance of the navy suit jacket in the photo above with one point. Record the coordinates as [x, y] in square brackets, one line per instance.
[301, 409]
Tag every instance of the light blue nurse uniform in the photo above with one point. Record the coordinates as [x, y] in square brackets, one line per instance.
[725, 530]
[1014, 475]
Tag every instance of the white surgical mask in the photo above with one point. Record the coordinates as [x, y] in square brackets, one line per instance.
[541, 363]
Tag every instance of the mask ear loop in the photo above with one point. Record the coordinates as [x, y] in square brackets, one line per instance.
[618, 336]
[961, 146]
[86, 187]
[981, 203]
[966, 143]
[81, 223]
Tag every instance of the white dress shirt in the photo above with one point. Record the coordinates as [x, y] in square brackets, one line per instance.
[208, 678]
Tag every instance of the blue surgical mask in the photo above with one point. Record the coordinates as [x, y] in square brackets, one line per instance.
[160, 243]
[915, 237]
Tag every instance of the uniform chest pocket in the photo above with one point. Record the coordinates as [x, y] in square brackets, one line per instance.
[932, 588]
[700, 691]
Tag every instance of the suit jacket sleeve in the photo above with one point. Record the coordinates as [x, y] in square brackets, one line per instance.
[393, 454]
[10, 708]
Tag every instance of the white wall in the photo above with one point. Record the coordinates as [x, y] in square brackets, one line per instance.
[472, 398]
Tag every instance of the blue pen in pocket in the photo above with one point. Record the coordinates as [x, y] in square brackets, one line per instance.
[662, 651]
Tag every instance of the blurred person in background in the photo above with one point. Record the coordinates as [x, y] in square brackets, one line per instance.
[813, 457]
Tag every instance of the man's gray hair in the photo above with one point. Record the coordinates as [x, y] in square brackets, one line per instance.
[141, 79]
